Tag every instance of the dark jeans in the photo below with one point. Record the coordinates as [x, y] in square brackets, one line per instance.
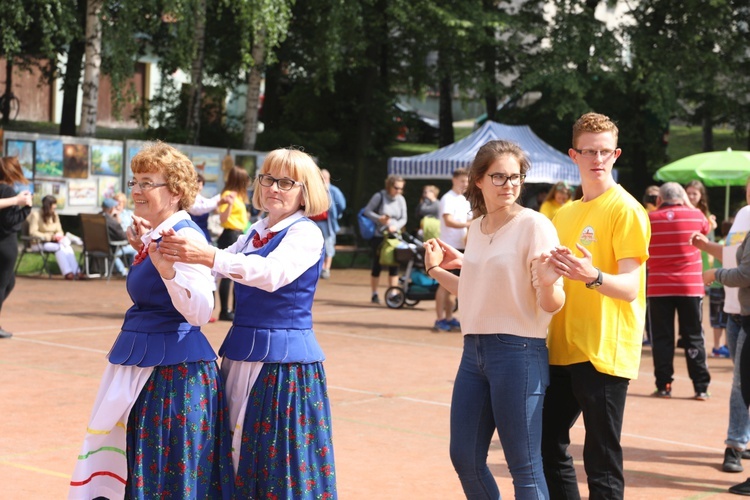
[576, 389]
[661, 311]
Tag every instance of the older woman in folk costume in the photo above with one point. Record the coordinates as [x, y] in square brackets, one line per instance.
[160, 426]
[276, 385]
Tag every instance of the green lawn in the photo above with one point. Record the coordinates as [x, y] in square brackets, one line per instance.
[685, 141]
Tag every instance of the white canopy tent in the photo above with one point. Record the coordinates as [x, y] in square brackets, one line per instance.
[547, 164]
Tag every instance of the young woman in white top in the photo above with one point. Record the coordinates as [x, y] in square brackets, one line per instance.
[509, 292]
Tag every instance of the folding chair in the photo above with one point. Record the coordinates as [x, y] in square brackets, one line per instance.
[33, 245]
[97, 245]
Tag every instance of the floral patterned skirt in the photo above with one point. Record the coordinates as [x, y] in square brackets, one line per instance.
[178, 439]
[287, 448]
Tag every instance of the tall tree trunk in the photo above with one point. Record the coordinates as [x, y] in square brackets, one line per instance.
[72, 78]
[254, 77]
[92, 68]
[8, 89]
[445, 112]
[193, 124]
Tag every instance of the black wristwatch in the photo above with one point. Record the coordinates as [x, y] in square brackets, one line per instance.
[597, 282]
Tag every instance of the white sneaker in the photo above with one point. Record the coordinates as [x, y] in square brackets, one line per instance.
[325, 274]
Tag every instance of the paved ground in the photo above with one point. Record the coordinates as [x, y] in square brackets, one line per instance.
[390, 381]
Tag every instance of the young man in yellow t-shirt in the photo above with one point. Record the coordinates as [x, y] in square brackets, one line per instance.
[595, 340]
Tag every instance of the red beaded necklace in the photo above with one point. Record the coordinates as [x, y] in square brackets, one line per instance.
[259, 242]
[141, 255]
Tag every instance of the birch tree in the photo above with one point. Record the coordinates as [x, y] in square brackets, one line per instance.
[92, 68]
[266, 22]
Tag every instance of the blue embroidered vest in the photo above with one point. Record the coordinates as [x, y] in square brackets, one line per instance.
[154, 333]
[275, 327]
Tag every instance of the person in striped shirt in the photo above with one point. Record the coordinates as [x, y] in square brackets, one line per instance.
[675, 285]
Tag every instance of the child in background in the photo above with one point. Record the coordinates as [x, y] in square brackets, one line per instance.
[716, 302]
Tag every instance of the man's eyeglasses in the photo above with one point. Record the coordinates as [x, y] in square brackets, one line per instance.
[592, 153]
[145, 185]
[501, 180]
[266, 180]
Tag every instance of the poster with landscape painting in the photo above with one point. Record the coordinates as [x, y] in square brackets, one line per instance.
[49, 158]
[108, 188]
[24, 150]
[106, 160]
[76, 161]
[82, 192]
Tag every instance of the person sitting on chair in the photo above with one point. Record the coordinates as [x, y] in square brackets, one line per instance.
[45, 224]
[110, 207]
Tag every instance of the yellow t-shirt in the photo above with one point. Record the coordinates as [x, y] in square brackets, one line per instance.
[237, 219]
[591, 326]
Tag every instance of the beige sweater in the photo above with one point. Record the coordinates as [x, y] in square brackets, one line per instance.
[495, 290]
[41, 229]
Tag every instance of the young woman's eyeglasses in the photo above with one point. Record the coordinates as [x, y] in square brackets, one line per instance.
[500, 180]
[266, 180]
[592, 153]
[145, 185]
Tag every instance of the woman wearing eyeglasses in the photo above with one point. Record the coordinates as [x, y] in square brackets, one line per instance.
[160, 424]
[234, 220]
[272, 361]
[509, 292]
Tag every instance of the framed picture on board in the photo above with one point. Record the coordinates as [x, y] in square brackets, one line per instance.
[76, 161]
[49, 158]
[24, 150]
[106, 160]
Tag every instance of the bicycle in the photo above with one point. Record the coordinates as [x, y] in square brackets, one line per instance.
[14, 105]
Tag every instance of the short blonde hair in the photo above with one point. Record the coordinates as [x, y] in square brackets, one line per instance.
[299, 166]
[177, 169]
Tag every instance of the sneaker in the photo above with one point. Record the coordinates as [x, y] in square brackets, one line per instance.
[441, 325]
[454, 324]
[226, 316]
[5, 334]
[741, 489]
[702, 396]
[665, 392]
[720, 352]
[745, 454]
[732, 460]
[375, 299]
[325, 274]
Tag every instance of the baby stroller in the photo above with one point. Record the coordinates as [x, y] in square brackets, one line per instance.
[414, 285]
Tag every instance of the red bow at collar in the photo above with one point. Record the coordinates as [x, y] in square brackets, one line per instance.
[141, 255]
[259, 242]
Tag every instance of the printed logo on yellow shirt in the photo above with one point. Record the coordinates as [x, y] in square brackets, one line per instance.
[587, 236]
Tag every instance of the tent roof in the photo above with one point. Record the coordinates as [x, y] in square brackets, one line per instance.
[547, 164]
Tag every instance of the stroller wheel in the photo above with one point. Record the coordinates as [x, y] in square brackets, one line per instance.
[411, 302]
[395, 297]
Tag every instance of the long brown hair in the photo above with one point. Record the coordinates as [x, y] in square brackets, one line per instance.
[238, 180]
[11, 171]
[48, 215]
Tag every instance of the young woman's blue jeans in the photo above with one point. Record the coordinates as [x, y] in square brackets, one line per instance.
[500, 385]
